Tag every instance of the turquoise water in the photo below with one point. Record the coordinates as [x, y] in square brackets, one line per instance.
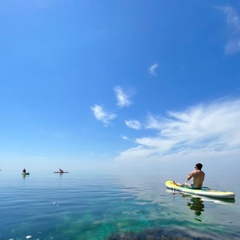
[103, 206]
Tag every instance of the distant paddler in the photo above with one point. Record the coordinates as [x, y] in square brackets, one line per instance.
[24, 172]
[60, 171]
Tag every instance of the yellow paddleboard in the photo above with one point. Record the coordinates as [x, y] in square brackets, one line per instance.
[204, 191]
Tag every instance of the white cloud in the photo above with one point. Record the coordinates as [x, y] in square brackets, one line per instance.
[102, 115]
[232, 18]
[133, 124]
[233, 21]
[125, 138]
[123, 98]
[232, 46]
[208, 129]
[153, 69]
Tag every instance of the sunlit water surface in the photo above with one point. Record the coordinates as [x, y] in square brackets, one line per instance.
[102, 206]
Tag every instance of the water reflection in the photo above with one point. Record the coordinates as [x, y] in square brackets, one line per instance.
[24, 176]
[60, 175]
[197, 205]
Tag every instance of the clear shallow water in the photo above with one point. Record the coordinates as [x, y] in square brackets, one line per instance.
[96, 206]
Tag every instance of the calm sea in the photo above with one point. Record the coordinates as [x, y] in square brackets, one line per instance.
[103, 206]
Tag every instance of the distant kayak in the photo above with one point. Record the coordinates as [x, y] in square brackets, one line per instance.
[60, 172]
[27, 173]
[204, 191]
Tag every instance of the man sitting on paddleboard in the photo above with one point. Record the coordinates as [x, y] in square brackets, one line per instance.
[198, 178]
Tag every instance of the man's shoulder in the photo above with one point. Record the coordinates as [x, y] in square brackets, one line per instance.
[197, 172]
[201, 172]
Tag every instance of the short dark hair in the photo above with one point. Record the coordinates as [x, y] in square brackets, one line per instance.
[199, 166]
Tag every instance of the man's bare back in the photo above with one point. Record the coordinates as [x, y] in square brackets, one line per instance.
[197, 175]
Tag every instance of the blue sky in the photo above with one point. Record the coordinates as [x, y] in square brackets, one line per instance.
[101, 84]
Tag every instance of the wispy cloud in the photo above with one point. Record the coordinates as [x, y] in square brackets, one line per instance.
[102, 115]
[204, 130]
[125, 138]
[233, 21]
[232, 46]
[232, 18]
[153, 69]
[123, 98]
[133, 124]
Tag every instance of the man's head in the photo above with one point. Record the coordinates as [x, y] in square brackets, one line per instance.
[199, 166]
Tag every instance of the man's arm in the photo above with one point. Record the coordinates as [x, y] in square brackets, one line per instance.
[190, 175]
